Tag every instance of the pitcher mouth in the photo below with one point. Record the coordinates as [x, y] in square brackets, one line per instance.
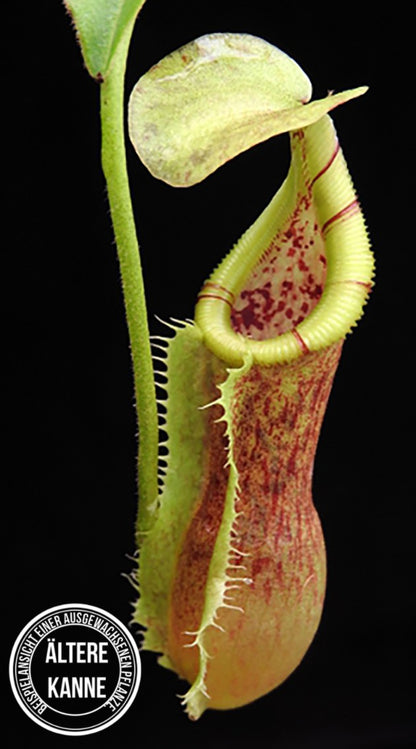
[299, 303]
[298, 279]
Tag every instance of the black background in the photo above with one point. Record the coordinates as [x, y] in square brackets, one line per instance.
[69, 499]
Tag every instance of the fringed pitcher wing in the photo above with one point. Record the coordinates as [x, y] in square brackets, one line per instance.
[232, 573]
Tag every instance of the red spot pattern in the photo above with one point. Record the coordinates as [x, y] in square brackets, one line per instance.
[288, 280]
[277, 544]
[274, 453]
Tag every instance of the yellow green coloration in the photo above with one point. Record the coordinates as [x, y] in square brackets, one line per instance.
[232, 564]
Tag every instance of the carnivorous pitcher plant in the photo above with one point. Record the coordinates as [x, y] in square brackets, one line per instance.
[232, 568]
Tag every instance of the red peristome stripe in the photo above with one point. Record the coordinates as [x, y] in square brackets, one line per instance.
[349, 209]
[326, 167]
[367, 285]
[215, 296]
[218, 286]
[300, 341]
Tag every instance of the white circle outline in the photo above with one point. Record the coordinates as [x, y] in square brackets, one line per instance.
[96, 709]
[93, 609]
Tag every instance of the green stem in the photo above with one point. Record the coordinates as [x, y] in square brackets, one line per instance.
[115, 171]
